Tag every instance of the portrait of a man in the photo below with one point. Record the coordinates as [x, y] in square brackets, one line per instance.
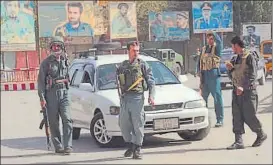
[225, 17]
[120, 22]
[251, 39]
[181, 31]
[158, 30]
[74, 26]
[16, 25]
[207, 21]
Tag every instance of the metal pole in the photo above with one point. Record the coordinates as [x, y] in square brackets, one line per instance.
[204, 39]
[3, 59]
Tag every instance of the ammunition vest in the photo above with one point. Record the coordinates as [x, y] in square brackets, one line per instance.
[209, 61]
[56, 71]
[130, 73]
[240, 70]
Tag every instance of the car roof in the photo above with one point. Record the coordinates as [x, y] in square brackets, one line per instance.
[109, 59]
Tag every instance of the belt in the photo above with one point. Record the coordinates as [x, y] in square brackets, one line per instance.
[61, 81]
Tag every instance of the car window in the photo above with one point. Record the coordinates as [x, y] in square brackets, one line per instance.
[86, 78]
[90, 69]
[77, 78]
[106, 77]
[73, 68]
[267, 48]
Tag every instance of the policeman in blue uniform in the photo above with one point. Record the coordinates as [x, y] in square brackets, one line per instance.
[206, 21]
[226, 17]
[74, 27]
[133, 74]
[158, 29]
[53, 82]
[208, 68]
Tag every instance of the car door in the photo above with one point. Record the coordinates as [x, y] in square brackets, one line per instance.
[75, 94]
[86, 97]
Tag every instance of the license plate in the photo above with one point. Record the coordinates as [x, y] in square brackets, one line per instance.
[166, 124]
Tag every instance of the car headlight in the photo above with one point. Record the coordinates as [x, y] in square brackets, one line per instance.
[114, 110]
[195, 104]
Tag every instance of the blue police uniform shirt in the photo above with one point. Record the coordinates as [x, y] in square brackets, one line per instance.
[226, 16]
[201, 23]
[84, 29]
[19, 30]
[178, 34]
[158, 31]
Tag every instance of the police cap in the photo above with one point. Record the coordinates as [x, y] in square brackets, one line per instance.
[184, 15]
[123, 4]
[206, 6]
[251, 26]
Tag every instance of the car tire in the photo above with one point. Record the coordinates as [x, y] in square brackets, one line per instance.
[195, 135]
[178, 69]
[109, 141]
[262, 79]
[76, 133]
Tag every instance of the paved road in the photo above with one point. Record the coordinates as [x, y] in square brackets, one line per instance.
[23, 142]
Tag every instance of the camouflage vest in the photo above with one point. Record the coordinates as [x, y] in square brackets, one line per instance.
[129, 73]
[240, 70]
[209, 61]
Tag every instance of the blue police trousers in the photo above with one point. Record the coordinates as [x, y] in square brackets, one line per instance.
[132, 118]
[212, 85]
[58, 105]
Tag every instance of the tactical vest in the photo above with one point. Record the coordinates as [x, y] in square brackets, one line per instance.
[56, 71]
[240, 70]
[209, 61]
[129, 73]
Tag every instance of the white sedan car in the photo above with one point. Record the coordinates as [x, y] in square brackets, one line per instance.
[95, 101]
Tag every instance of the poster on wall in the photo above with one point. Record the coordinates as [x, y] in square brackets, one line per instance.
[255, 33]
[123, 20]
[169, 26]
[17, 26]
[73, 20]
[212, 16]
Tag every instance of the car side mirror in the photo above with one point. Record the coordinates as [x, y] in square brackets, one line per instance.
[86, 87]
[182, 78]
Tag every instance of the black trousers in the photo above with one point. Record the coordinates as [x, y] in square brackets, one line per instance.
[244, 108]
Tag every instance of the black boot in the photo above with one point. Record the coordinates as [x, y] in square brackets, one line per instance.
[261, 137]
[129, 151]
[238, 144]
[137, 154]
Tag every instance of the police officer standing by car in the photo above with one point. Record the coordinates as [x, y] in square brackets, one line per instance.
[53, 92]
[243, 72]
[132, 76]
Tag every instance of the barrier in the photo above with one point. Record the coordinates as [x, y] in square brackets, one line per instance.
[19, 75]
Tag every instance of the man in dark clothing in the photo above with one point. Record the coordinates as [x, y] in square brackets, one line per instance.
[243, 72]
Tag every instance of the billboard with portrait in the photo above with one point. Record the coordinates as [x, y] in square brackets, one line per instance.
[169, 26]
[123, 22]
[73, 20]
[17, 26]
[212, 16]
[255, 33]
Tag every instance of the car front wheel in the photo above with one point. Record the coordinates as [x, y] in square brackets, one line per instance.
[99, 133]
[195, 135]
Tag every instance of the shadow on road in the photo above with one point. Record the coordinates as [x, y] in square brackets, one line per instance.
[84, 145]
[178, 151]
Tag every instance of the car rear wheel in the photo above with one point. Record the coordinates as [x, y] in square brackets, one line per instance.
[76, 133]
[99, 133]
[195, 135]
[262, 79]
[178, 69]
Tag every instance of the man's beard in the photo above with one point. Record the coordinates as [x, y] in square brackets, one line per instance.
[74, 22]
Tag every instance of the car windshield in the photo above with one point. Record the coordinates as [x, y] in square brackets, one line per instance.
[106, 77]
[267, 48]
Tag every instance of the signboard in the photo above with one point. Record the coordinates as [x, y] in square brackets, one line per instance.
[72, 20]
[123, 20]
[212, 16]
[17, 26]
[169, 26]
[255, 33]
